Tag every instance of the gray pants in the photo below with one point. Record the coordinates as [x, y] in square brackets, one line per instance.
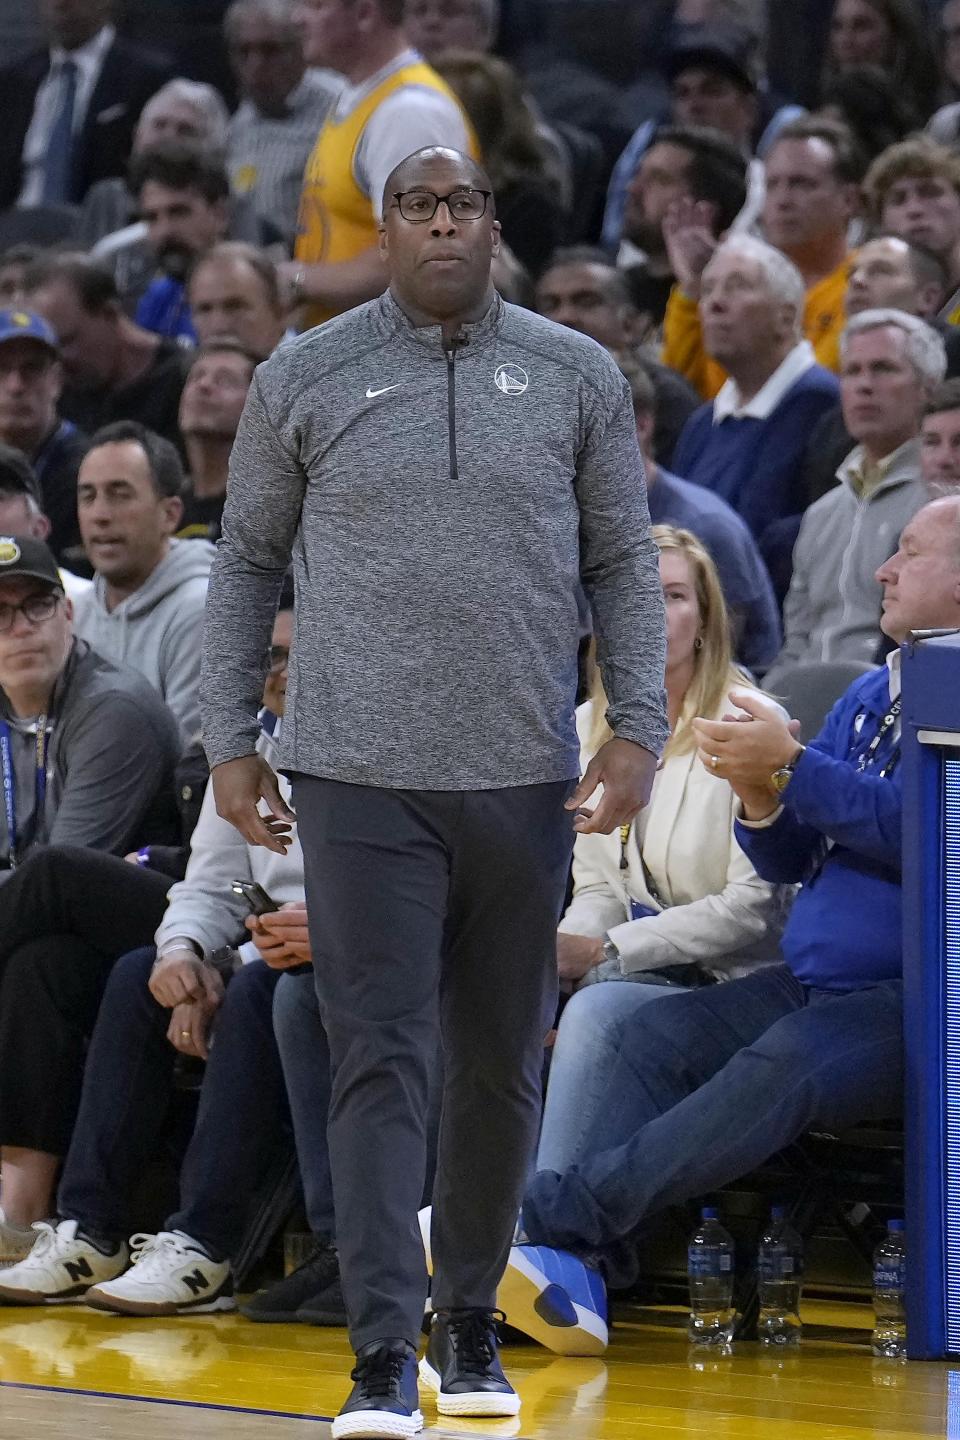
[433, 918]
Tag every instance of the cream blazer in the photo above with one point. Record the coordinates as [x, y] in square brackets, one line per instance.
[717, 909]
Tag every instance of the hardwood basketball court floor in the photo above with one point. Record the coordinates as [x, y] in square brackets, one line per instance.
[69, 1372]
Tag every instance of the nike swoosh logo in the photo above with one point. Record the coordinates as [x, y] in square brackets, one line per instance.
[372, 394]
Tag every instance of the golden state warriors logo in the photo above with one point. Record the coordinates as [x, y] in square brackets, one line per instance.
[9, 550]
[511, 379]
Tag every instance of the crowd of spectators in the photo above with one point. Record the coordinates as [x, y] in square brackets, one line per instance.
[767, 237]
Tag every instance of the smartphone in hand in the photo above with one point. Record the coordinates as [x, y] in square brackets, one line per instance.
[256, 897]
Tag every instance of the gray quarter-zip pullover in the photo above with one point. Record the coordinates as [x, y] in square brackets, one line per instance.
[442, 507]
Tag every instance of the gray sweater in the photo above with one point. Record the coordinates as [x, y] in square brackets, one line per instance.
[442, 509]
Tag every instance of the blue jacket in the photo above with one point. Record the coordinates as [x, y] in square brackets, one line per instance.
[844, 931]
[165, 310]
[743, 575]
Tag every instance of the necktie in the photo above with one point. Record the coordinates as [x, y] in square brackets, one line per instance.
[58, 175]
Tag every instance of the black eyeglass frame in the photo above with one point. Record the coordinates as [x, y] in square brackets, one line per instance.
[400, 195]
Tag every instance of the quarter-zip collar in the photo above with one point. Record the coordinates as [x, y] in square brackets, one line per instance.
[480, 335]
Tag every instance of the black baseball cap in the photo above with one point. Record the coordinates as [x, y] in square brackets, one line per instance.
[728, 49]
[17, 474]
[22, 557]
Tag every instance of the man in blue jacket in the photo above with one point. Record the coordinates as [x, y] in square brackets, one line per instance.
[706, 1085]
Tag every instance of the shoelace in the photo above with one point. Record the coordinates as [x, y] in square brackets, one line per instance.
[151, 1251]
[473, 1334]
[380, 1373]
[46, 1241]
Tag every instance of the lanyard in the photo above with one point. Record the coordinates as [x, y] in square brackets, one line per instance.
[10, 785]
[868, 756]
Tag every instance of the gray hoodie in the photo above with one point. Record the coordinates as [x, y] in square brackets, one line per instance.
[442, 507]
[158, 629]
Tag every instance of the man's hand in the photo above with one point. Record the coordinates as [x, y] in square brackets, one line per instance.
[690, 242]
[577, 954]
[238, 788]
[746, 753]
[189, 1029]
[282, 937]
[626, 772]
[182, 978]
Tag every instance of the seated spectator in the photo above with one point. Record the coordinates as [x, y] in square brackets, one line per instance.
[282, 108]
[14, 264]
[913, 190]
[939, 440]
[158, 1001]
[213, 400]
[183, 198]
[944, 126]
[891, 364]
[670, 900]
[185, 112]
[892, 35]
[234, 293]
[108, 743]
[750, 602]
[149, 590]
[31, 380]
[816, 1042]
[683, 165]
[886, 273]
[528, 206]
[869, 101]
[748, 445]
[812, 174]
[21, 511]
[582, 289]
[70, 109]
[714, 76]
[113, 368]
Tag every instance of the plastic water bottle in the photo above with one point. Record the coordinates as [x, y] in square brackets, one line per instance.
[889, 1277]
[710, 1271]
[779, 1276]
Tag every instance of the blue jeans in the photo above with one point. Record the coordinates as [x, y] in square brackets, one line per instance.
[127, 1085]
[580, 1064]
[305, 1057]
[703, 1086]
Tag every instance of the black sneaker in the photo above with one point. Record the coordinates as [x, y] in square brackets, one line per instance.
[384, 1399]
[462, 1366]
[327, 1308]
[279, 1304]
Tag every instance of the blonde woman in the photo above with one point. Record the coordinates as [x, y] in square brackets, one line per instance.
[671, 901]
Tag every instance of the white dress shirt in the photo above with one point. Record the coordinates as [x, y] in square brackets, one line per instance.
[89, 60]
[794, 364]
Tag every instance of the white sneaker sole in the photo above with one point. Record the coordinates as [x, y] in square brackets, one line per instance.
[36, 1297]
[479, 1402]
[99, 1299]
[519, 1297]
[376, 1425]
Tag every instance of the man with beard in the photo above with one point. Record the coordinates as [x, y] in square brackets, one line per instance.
[183, 195]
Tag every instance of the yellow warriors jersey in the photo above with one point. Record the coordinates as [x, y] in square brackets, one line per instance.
[336, 218]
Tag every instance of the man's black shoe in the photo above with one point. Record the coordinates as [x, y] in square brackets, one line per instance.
[279, 1303]
[327, 1308]
[384, 1400]
[462, 1366]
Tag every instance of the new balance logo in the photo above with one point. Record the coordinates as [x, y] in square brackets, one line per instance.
[372, 394]
[196, 1282]
[78, 1270]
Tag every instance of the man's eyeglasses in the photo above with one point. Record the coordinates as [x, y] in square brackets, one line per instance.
[419, 206]
[36, 609]
[278, 657]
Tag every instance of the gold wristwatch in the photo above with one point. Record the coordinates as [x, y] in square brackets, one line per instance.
[781, 778]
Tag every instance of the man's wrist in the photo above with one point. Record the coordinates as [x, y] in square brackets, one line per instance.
[178, 944]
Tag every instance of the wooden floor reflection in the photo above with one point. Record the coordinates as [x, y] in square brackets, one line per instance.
[71, 1372]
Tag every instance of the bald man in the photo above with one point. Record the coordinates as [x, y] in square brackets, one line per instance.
[446, 470]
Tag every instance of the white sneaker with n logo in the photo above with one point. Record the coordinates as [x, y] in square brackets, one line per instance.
[60, 1268]
[170, 1275]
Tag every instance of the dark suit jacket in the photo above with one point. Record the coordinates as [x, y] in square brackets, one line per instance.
[128, 78]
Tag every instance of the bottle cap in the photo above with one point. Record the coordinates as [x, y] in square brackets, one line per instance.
[895, 1226]
[778, 1212]
[710, 1212]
